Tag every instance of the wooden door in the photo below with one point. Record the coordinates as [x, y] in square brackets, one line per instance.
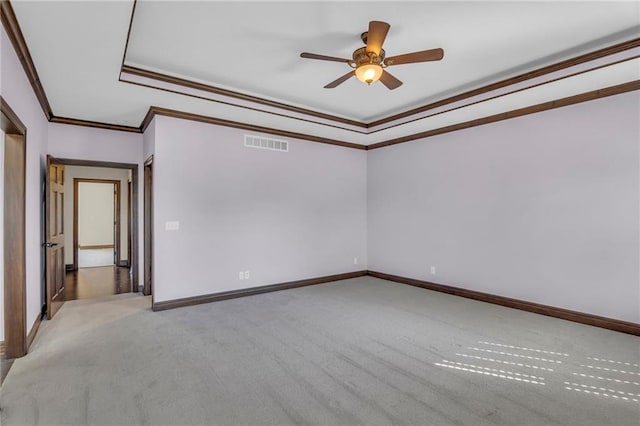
[54, 231]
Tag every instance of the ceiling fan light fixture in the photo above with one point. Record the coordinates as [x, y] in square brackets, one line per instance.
[369, 62]
[369, 73]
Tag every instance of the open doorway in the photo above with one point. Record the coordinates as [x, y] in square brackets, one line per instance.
[96, 222]
[101, 236]
[148, 228]
[101, 211]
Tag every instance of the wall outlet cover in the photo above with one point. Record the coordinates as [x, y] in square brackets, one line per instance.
[172, 225]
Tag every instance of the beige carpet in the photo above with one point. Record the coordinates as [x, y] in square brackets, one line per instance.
[361, 351]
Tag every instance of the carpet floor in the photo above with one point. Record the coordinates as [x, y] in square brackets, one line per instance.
[360, 351]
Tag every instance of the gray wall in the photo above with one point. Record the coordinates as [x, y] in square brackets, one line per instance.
[282, 216]
[543, 208]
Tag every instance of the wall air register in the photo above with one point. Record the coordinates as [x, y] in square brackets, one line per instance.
[251, 141]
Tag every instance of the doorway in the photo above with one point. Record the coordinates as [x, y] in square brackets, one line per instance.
[148, 228]
[102, 255]
[96, 223]
[14, 330]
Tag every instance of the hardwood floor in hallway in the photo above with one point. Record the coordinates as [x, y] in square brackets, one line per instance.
[86, 283]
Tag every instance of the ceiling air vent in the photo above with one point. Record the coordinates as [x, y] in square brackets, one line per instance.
[251, 141]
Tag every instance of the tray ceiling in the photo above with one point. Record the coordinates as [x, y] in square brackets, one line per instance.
[253, 48]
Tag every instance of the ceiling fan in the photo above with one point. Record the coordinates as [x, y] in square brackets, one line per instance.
[369, 62]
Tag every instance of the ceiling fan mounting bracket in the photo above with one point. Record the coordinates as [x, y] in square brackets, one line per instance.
[361, 57]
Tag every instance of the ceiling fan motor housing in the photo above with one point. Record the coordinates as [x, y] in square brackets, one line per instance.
[362, 57]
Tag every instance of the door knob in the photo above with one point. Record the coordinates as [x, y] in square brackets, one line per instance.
[49, 245]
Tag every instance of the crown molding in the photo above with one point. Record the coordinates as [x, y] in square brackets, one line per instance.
[235, 95]
[183, 115]
[126, 43]
[94, 124]
[409, 115]
[10, 23]
[582, 64]
[558, 103]
[588, 57]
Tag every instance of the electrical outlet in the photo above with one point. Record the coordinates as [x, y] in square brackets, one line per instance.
[355, 260]
[433, 270]
[173, 225]
[246, 275]
[241, 275]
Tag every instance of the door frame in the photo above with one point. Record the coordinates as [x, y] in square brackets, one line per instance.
[117, 220]
[14, 231]
[129, 233]
[148, 228]
[133, 218]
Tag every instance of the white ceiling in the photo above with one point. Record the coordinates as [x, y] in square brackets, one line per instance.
[254, 47]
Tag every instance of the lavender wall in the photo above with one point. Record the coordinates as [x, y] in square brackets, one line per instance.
[543, 208]
[17, 91]
[282, 216]
[87, 143]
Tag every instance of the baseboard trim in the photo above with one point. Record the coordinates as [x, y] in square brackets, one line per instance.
[34, 330]
[215, 297]
[523, 305]
[95, 247]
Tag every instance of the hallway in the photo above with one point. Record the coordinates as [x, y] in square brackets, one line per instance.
[87, 283]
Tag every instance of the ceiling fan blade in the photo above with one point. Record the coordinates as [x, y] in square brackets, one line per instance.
[322, 57]
[409, 58]
[375, 37]
[390, 81]
[340, 80]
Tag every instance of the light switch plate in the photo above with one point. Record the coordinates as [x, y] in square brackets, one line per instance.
[172, 225]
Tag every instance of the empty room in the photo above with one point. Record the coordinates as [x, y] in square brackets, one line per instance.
[320, 212]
